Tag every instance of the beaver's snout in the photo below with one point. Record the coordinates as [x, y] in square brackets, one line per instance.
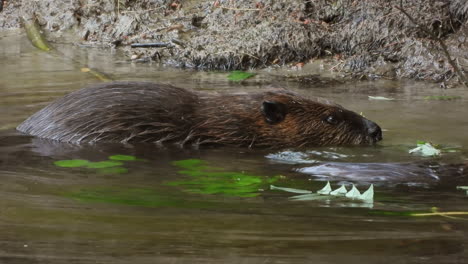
[373, 130]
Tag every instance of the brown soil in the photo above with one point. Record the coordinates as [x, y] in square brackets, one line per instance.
[363, 39]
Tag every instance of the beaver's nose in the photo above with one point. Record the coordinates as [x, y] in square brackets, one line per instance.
[373, 130]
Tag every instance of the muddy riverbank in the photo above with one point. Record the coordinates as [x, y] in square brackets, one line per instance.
[351, 39]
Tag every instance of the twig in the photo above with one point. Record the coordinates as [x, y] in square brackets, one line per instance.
[439, 214]
[337, 65]
[150, 45]
[240, 9]
[142, 11]
[442, 44]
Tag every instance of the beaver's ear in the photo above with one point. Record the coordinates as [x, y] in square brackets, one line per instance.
[274, 112]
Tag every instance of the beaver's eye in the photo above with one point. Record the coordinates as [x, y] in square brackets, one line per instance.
[332, 120]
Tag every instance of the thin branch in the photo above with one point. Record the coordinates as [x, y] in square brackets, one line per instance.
[142, 11]
[239, 9]
[442, 44]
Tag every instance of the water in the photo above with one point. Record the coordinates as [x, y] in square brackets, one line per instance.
[151, 211]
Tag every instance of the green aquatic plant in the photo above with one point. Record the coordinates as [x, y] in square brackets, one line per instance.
[326, 189]
[326, 192]
[103, 164]
[342, 191]
[425, 149]
[113, 170]
[353, 193]
[71, 163]
[238, 76]
[291, 190]
[111, 166]
[212, 180]
[123, 157]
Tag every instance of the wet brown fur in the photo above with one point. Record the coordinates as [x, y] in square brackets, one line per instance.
[148, 112]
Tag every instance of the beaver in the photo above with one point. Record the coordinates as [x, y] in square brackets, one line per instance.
[131, 112]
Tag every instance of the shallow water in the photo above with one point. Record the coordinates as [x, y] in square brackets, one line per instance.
[156, 210]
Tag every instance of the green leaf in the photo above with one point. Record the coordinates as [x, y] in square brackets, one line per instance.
[123, 157]
[426, 150]
[103, 164]
[212, 180]
[238, 76]
[442, 97]
[34, 33]
[71, 163]
[353, 194]
[381, 98]
[292, 190]
[325, 190]
[368, 196]
[340, 191]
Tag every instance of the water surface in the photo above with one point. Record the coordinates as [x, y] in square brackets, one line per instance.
[158, 210]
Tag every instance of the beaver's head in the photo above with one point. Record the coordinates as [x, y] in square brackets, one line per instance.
[292, 120]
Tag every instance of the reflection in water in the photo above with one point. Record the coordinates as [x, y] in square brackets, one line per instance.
[374, 172]
[51, 214]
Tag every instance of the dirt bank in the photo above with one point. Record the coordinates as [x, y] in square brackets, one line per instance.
[362, 39]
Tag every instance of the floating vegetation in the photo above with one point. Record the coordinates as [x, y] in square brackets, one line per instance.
[71, 163]
[113, 170]
[381, 98]
[205, 179]
[103, 164]
[111, 166]
[425, 149]
[353, 193]
[442, 97]
[328, 193]
[291, 190]
[123, 157]
[326, 189]
[342, 191]
[238, 76]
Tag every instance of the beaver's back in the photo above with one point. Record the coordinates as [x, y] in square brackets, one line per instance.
[148, 112]
[117, 111]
